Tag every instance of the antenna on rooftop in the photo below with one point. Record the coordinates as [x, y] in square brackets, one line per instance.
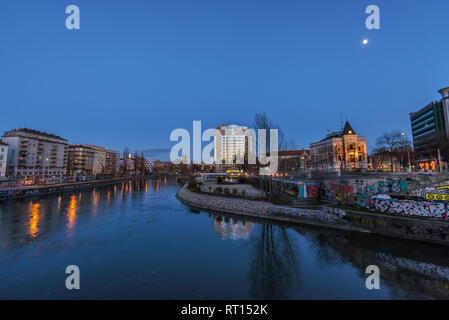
[341, 122]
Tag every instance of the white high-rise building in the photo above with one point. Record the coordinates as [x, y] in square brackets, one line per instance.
[35, 153]
[3, 158]
[232, 143]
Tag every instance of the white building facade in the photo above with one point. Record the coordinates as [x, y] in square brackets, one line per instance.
[232, 145]
[3, 158]
[33, 153]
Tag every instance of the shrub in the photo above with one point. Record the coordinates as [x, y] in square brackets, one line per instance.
[226, 191]
[197, 188]
[243, 180]
[243, 192]
[219, 190]
[192, 184]
[235, 192]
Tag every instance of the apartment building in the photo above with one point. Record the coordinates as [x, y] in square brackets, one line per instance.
[35, 153]
[86, 160]
[3, 158]
[80, 160]
[112, 162]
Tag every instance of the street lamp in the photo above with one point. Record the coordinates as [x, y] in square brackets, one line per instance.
[408, 151]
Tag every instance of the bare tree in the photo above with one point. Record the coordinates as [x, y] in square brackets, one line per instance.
[393, 143]
[124, 165]
[261, 121]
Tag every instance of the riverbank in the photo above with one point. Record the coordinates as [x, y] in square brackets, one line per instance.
[436, 232]
[37, 191]
[263, 209]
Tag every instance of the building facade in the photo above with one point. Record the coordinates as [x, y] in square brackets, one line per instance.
[430, 128]
[232, 145]
[80, 160]
[340, 151]
[33, 153]
[3, 158]
[86, 160]
[294, 160]
[99, 165]
[112, 161]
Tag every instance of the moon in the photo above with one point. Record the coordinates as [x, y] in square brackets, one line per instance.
[365, 42]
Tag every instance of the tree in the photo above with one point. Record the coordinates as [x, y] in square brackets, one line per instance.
[393, 143]
[261, 121]
[124, 165]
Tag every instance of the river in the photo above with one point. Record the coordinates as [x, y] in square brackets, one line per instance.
[137, 241]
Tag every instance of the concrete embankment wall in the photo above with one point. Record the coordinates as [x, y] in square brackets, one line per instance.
[400, 227]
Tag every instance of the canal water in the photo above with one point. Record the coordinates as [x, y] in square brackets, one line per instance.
[137, 241]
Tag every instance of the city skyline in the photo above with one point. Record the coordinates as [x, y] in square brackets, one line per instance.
[131, 75]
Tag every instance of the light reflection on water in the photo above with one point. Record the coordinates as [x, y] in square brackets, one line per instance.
[136, 240]
[34, 219]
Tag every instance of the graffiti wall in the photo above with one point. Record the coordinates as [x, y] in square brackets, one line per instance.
[434, 210]
[358, 190]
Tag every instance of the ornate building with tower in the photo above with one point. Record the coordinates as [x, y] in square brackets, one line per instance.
[340, 151]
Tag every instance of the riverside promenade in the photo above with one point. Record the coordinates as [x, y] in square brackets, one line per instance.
[43, 190]
[424, 230]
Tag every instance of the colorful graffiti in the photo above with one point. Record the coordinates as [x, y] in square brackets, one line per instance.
[437, 196]
[300, 189]
[383, 187]
[425, 209]
[351, 193]
[343, 193]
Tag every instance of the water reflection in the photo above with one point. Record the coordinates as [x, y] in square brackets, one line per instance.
[22, 221]
[71, 212]
[267, 260]
[232, 228]
[34, 219]
[413, 270]
[274, 269]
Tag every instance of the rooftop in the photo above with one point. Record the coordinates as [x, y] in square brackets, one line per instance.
[32, 131]
[292, 153]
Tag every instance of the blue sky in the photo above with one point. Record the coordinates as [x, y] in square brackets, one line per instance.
[139, 69]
